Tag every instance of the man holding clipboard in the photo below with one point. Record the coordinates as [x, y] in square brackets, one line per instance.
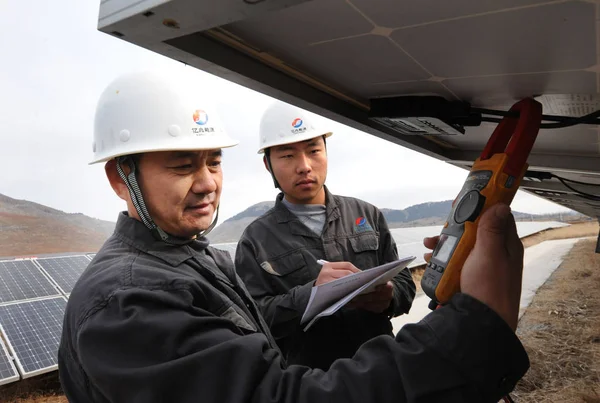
[277, 254]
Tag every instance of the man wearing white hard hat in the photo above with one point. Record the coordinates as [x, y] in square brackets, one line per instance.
[160, 316]
[277, 255]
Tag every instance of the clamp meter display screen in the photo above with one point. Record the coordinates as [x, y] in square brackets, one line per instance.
[445, 247]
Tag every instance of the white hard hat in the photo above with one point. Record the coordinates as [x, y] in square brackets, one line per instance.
[142, 112]
[284, 124]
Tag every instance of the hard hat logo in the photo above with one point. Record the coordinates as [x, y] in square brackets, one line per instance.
[284, 124]
[200, 117]
[297, 126]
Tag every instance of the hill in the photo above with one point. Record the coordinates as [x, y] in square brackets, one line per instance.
[28, 228]
[424, 214]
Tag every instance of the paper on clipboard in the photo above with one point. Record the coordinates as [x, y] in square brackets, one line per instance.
[328, 298]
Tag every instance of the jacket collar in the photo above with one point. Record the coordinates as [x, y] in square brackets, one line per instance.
[134, 233]
[284, 215]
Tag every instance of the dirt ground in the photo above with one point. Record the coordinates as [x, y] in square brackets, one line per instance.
[560, 330]
[40, 389]
[561, 333]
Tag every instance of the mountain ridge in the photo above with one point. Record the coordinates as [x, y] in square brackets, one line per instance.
[422, 214]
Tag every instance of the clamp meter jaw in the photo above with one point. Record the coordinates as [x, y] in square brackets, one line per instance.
[494, 178]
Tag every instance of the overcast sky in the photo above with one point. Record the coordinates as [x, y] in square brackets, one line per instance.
[54, 66]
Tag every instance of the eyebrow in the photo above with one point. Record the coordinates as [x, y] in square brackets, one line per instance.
[193, 154]
[287, 147]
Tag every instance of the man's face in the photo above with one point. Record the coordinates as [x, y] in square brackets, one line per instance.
[181, 189]
[301, 170]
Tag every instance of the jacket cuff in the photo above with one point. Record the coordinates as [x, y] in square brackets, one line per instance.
[301, 296]
[481, 344]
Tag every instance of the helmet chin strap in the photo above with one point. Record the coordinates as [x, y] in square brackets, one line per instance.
[137, 199]
[268, 158]
[212, 225]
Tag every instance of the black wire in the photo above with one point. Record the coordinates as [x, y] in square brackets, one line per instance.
[577, 182]
[561, 121]
[253, 2]
[543, 125]
[585, 195]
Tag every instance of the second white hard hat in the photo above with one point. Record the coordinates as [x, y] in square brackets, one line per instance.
[283, 123]
[143, 112]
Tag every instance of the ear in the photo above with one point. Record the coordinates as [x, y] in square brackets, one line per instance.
[115, 180]
[266, 163]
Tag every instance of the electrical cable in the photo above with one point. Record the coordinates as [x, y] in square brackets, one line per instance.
[559, 121]
[576, 182]
[581, 193]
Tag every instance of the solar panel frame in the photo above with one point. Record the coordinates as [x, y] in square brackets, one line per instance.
[37, 286]
[8, 374]
[64, 282]
[21, 348]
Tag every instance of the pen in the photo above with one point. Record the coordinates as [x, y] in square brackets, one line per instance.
[322, 262]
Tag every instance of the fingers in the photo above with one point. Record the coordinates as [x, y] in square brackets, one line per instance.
[513, 241]
[334, 271]
[342, 266]
[339, 273]
[431, 242]
[381, 293]
[493, 227]
[427, 256]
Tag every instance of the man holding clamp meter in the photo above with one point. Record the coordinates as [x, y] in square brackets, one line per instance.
[494, 178]
[159, 315]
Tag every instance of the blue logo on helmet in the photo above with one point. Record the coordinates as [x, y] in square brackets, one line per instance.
[297, 123]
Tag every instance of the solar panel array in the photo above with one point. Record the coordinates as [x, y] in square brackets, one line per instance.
[65, 271]
[33, 332]
[33, 297]
[21, 279]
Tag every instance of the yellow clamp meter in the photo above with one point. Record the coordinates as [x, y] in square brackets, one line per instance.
[494, 177]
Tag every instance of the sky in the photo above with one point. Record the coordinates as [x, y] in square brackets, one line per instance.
[55, 64]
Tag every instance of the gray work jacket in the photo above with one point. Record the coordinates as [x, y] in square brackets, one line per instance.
[277, 255]
[148, 322]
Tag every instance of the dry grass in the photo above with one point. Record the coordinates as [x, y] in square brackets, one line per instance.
[417, 273]
[575, 230]
[561, 333]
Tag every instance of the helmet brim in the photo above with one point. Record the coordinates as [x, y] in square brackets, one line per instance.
[296, 139]
[181, 146]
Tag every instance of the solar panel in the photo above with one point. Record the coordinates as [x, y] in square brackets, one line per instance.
[22, 279]
[8, 372]
[91, 255]
[32, 330]
[64, 270]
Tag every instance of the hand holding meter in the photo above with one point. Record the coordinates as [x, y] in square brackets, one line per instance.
[495, 177]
